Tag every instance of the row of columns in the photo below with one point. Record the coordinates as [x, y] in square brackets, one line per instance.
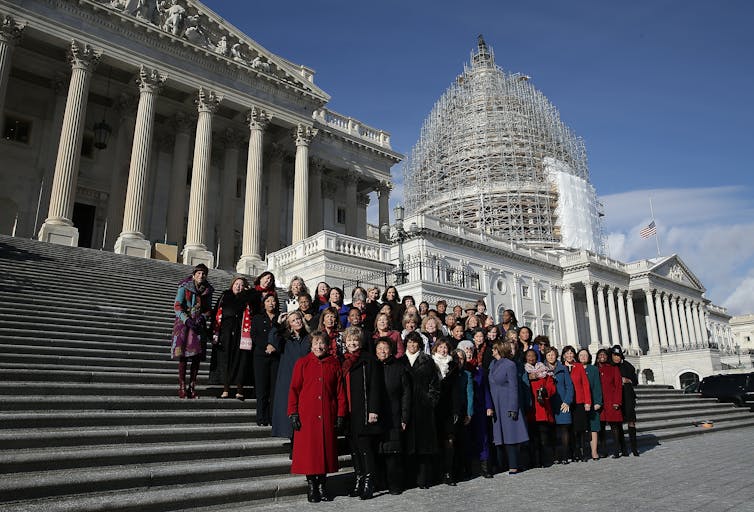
[622, 326]
[675, 321]
[58, 227]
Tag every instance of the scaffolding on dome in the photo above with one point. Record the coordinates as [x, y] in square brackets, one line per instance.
[486, 159]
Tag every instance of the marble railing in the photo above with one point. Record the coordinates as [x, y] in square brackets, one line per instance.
[352, 127]
[332, 242]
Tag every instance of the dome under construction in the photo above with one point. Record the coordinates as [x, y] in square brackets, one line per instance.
[494, 156]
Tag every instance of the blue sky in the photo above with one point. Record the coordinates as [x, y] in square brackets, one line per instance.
[661, 92]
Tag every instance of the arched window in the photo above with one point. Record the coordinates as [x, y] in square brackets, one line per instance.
[648, 376]
[687, 379]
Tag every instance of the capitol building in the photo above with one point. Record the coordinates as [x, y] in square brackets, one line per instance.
[156, 129]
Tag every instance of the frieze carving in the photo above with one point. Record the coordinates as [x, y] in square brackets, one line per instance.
[676, 273]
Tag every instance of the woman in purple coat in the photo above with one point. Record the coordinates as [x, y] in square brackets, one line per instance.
[508, 427]
[478, 440]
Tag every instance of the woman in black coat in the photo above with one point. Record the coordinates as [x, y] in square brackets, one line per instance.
[365, 392]
[396, 411]
[230, 364]
[450, 411]
[421, 431]
[295, 345]
[629, 379]
[266, 338]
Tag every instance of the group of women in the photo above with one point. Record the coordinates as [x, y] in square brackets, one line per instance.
[422, 394]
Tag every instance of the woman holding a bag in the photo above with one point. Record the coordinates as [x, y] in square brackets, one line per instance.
[231, 363]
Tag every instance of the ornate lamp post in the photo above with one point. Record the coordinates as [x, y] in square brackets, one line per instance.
[398, 234]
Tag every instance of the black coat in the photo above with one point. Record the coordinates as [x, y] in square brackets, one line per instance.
[421, 432]
[264, 331]
[291, 351]
[366, 394]
[229, 364]
[628, 371]
[452, 405]
[396, 408]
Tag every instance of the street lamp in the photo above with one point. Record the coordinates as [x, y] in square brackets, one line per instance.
[398, 234]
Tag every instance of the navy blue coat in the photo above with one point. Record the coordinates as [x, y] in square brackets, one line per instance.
[564, 394]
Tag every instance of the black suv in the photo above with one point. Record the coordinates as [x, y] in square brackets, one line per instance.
[737, 388]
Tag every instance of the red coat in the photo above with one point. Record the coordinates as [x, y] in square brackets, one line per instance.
[612, 393]
[317, 394]
[542, 412]
[581, 384]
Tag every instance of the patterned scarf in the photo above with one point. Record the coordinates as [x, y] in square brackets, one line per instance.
[349, 359]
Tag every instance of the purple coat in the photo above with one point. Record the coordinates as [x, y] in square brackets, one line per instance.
[195, 304]
[504, 389]
[478, 446]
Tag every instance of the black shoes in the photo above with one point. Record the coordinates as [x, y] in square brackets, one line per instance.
[312, 491]
[447, 479]
[321, 481]
[367, 490]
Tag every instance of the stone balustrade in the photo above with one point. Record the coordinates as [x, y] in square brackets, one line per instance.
[352, 127]
[331, 242]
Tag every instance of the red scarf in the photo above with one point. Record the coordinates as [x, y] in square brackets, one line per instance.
[265, 291]
[245, 326]
[350, 359]
[333, 337]
[476, 361]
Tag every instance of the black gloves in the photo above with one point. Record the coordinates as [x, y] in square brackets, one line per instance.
[340, 422]
[513, 415]
[295, 421]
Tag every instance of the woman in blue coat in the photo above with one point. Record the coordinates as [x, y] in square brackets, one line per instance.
[561, 404]
[508, 426]
[295, 346]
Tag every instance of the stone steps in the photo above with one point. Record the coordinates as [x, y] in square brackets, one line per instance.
[97, 418]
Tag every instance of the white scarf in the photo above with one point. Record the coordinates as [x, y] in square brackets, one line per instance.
[442, 363]
[412, 357]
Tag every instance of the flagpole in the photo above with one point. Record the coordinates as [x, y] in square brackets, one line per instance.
[657, 234]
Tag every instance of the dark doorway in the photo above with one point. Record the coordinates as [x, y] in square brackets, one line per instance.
[83, 219]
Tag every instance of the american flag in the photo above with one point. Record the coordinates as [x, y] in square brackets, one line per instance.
[649, 230]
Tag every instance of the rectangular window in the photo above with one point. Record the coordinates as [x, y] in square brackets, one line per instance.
[17, 130]
[546, 329]
[341, 215]
[543, 295]
[525, 291]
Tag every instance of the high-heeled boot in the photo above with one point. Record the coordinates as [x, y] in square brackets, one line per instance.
[368, 490]
[485, 469]
[358, 472]
[312, 491]
[192, 384]
[182, 378]
[634, 443]
[322, 488]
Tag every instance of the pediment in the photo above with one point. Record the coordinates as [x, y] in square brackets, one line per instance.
[189, 21]
[675, 269]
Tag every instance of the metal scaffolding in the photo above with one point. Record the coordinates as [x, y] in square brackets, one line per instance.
[487, 154]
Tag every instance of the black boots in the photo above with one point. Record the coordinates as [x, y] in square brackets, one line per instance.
[367, 490]
[312, 492]
[485, 469]
[321, 481]
[358, 487]
[632, 439]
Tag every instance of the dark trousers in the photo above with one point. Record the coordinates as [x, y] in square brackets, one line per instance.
[509, 452]
[363, 454]
[563, 447]
[265, 374]
[393, 471]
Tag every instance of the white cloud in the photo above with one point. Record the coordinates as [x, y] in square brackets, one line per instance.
[711, 229]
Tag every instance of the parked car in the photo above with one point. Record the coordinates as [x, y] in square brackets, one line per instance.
[736, 387]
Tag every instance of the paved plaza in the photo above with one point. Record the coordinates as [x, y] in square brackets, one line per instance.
[710, 473]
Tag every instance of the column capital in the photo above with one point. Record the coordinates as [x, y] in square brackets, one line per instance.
[83, 56]
[648, 292]
[207, 101]
[304, 134]
[258, 118]
[351, 178]
[535, 282]
[150, 81]
[363, 200]
[588, 283]
[384, 187]
[666, 298]
[600, 287]
[10, 31]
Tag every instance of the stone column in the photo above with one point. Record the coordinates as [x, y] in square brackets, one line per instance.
[131, 240]
[690, 321]
[58, 227]
[383, 194]
[352, 205]
[654, 343]
[556, 317]
[304, 135]
[702, 325]
[571, 336]
[633, 332]
[594, 337]
[537, 327]
[684, 323]
[178, 174]
[226, 225]
[668, 320]
[251, 254]
[517, 299]
[695, 321]
[195, 251]
[622, 317]
[274, 186]
[677, 332]
[10, 35]
[661, 321]
[614, 334]
[604, 334]
[316, 199]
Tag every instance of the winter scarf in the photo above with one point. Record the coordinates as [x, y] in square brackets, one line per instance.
[539, 370]
[443, 363]
[412, 357]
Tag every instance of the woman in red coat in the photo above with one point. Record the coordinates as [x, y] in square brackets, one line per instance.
[316, 408]
[582, 403]
[539, 379]
[612, 397]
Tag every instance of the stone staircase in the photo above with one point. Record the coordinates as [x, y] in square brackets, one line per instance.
[89, 414]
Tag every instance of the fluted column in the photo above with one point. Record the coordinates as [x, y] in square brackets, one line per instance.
[226, 225]
[604, 334]
[702, 325]
[518, 305]
[633, 332]
[614, 334]
[677, 331]
[661, 321]
[624, 337]
[571, 336]
[352, 205]
[131, 240]
[695, 322]
[10, 35]
[654, 342]
[537, 327]
[594, 339]
[383, 193]
[684, 323]
[58, 227]
[178, 173]
[690, 322]
[555, 300]
[195, 251]
[668, 320]
[316, 199]
[304, 135]
[274, 184]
